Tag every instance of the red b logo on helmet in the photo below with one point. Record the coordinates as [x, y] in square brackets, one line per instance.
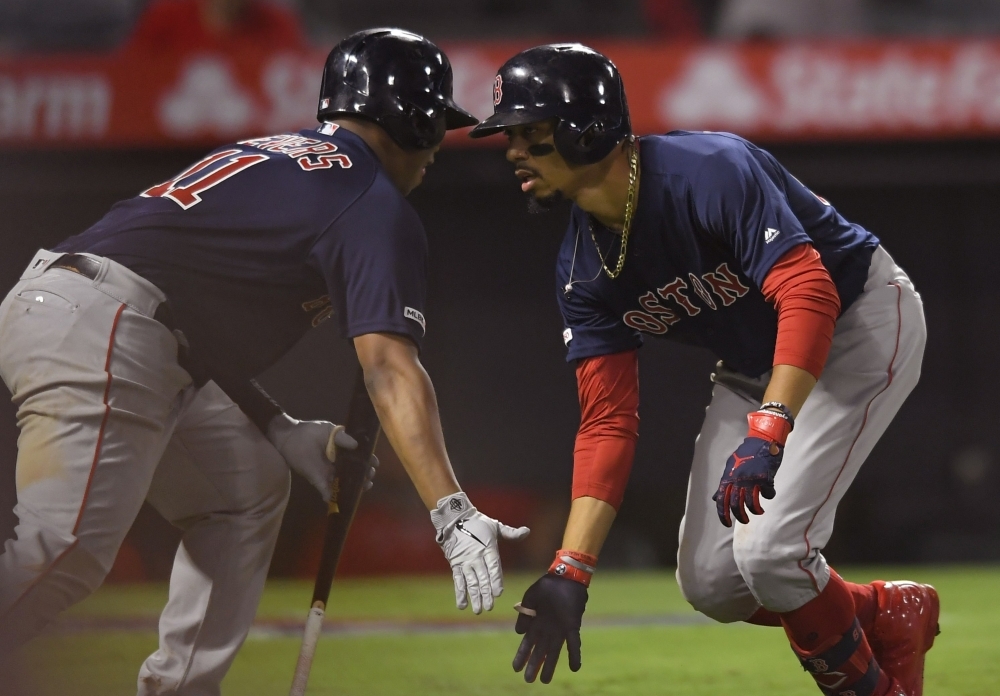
[497, 91]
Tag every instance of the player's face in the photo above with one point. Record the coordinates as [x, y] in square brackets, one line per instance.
[544, 175]
[412, 166]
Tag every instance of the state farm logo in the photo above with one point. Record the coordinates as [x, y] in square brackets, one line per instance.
[715, 90]
[209, 98]
[816, 88]
[289, 84]
[54, 106]
[206, 100]
[901, 89]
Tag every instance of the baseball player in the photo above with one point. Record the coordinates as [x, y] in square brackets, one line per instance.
[130, 351]
[705, 238]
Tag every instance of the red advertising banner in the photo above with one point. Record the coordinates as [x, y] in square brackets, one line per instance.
[787, 91]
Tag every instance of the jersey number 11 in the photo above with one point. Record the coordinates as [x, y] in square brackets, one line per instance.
[184, 189]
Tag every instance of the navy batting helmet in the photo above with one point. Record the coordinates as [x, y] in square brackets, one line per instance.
[570, 82]
[396, 78]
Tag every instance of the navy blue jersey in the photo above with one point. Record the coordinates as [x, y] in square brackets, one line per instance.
[263, 239]
[714, 214]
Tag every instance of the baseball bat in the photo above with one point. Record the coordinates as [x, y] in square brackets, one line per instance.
[352, 468]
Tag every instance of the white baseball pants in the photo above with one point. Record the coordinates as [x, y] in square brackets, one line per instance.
[775, 561]
[108, 419]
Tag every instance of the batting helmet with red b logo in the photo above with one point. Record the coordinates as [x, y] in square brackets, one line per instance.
[574, 84]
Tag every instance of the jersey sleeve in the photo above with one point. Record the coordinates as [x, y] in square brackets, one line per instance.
[609, 426]
[374, 260]
[740, 201]
[590, 326]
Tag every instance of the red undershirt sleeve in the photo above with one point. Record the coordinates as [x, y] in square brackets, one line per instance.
[609, 426]
[808, 305]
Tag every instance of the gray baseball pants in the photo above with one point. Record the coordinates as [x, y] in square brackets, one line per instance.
[776, 560]
[108, 419]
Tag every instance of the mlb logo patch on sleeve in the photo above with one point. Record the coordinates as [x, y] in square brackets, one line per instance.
[411, 313]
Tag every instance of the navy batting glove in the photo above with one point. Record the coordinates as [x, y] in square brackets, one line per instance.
[749, 475]
[551, 614]
[750, 470]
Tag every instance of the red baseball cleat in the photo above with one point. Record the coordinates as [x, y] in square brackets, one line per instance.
[905, 625]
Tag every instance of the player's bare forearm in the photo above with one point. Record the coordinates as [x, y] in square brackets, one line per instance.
[407, 407]
[790, 386]
[589, 522]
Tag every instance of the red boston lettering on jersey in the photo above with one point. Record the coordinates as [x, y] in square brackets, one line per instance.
[647, 323]
[699, 288]
[674, 290]
[656, 319]
[726, 284]
[185, 188]
[653, 306]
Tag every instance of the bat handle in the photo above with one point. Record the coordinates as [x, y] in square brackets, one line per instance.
[314, 624]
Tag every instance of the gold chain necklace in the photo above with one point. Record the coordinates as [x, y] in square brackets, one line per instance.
[633, 177]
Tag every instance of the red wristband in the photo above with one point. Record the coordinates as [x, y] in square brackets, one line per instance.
[574, 566]
[770, 426]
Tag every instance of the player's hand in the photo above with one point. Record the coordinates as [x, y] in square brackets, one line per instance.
[749, 475]
[305, 446]
[750, 470]
[469, 541]
[550, 615]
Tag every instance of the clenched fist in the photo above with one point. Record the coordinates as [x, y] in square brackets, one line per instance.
[310, 449]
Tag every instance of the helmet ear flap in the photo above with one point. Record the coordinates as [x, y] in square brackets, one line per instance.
[566, 139]
[413, 129]
[586, 146]
[428, 131]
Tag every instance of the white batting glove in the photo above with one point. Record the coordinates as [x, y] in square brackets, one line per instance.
[306, 448]
[469, 541]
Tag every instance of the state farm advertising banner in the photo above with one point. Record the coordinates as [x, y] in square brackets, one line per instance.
[791, 91]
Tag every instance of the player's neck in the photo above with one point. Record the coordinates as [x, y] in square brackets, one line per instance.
[604, 190]
[386, 151]
[368, 131]
[401, 166]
